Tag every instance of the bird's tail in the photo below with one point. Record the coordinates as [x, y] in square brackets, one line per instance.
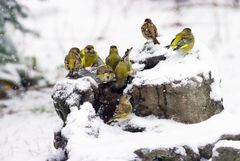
[168, 46]
[120, 83]
[155, 41]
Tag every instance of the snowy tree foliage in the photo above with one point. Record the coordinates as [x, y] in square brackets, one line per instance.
[10, 12]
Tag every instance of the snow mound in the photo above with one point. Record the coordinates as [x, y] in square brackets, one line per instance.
[227, 143]
[66, 87]
[178, 67]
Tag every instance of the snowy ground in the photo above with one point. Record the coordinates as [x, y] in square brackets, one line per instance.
[26, 127]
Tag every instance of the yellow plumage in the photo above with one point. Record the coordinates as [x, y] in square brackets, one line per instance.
[90, 57]
[113, 58]
[72, 60]
[105, 73]
[183, 41]
[123, 69]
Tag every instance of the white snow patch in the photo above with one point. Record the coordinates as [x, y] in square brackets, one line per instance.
[91, 139]
[181, 151]
[69, 85]
[227, 143]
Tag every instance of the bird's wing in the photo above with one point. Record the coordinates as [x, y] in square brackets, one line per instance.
[154, 32]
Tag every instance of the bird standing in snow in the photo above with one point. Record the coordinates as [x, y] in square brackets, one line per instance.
[149, 31]
[113, 58]
[124, 108]
[90, 57]
[73, 60]
[123, 69]
[183, 41]
[105, 73]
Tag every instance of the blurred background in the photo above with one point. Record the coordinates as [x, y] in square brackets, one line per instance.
[35, 36]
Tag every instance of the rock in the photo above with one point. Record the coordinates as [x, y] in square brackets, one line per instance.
[230, 137]
[190, 154]
[73, 92]
[59, 140]
[226, 154]
[206, 151]
[167, 154]
[183, 88]
[188, 103]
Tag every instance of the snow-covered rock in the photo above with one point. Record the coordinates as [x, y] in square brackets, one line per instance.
[226, 150]
[72, 93]
[183, 87]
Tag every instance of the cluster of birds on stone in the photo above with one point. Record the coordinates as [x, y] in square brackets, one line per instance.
[119, 68]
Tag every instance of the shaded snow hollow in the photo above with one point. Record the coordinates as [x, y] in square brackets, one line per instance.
[178, 67]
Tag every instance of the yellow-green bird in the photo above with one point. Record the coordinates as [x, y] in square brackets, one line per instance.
[113, 58]
[123, 109]
[105, 73]
[72, 60]
[183, 41]
[90, 57]
[123, 69]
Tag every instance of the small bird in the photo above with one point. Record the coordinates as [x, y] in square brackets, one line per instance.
[183, 41]
[149, 31]
[113, 58]
[105, 73]
[123, 69]
[90, 57]
[123, 109]
[72, 60]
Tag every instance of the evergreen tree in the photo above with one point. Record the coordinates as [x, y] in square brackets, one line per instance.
[10, 12]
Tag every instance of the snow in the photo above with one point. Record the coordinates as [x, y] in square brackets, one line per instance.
[179, 67]
[27, 126]
[63, 25]
[227, 143]
[70, 85]
[91, 139]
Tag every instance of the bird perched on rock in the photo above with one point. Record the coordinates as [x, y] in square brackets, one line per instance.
[72, 60]
[113, 58]
[123, 109]
[149, 31]
[90, 57]
[123, 69]
[105, 73]
[183, 41]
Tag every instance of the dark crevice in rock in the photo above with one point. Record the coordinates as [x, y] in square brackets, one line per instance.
[165, 101]
[133, 129]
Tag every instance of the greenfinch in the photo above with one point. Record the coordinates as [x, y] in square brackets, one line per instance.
[123, 69]
[72, 60]
[183, 41]
[90, 57]
[123, 109]
[113, 58]
[149, 31]
[105, 73]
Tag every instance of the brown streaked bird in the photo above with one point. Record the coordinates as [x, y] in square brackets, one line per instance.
[149, 31]
[124, 108]
[73, 60]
